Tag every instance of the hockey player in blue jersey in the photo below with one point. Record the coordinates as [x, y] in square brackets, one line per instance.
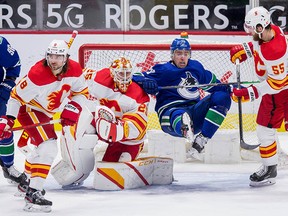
[181, 112]
[9, 71]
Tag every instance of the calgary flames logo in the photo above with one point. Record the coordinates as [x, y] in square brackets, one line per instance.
[55, 98]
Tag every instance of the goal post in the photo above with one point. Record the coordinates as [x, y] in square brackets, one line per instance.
[214, 57]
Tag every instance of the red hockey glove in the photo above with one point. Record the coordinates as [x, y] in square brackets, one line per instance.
[70, 114]
[241, 52]
[112, 131]
[5, 125]
[246, 94]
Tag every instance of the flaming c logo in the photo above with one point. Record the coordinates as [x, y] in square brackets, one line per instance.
[55, 98]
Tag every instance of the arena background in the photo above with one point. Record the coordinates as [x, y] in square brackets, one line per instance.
[31, 25]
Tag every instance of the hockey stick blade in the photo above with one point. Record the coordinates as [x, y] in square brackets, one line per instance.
[243, 144]
[205, 85]
[35, 125]
[247, 146]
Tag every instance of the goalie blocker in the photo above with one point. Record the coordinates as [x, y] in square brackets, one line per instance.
[78, 160]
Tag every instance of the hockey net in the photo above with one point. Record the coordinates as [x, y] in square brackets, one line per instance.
[214, 57]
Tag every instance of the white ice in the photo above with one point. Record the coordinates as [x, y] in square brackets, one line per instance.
[198, 190]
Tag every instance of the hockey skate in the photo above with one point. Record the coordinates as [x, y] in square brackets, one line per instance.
[12, 175]
[35, 201]
[197, 147]
[187, 127]
[23, 188]
[265, 176]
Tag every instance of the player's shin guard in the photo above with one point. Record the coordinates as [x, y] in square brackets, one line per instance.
[7, 152]
[7, 160]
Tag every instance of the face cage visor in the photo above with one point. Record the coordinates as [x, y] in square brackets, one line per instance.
[122, 78]
[251, 29]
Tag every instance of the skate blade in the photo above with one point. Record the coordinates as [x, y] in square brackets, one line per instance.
[72, 186]
[19, 194]
[266, 182]
[194, 154]
[12, 182]
[30, 207]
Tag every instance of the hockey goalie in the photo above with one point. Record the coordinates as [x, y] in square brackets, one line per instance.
[120, 122]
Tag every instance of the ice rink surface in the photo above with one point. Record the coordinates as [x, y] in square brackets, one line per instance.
[198, 190]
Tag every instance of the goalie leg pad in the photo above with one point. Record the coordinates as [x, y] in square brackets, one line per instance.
[64, 174]
[77, 161]
[134, 174]
[76, 151]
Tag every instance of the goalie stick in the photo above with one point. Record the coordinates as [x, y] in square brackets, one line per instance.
[35, 125]
[207, 85]
[243, 144]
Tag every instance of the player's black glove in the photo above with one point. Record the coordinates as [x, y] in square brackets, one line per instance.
[150, 86]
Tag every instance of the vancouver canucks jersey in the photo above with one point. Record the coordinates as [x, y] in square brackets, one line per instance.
[9, 60]
[169, 75]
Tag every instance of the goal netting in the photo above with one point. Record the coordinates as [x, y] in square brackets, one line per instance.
[214, 57]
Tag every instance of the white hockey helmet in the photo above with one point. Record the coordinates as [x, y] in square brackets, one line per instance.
[255, 17]
[121, 72]
[58, 47]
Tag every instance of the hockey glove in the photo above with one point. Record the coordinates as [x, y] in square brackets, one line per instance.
[105, 113]
[150, 86]
[241, 52]
[112, 131]
[5, 89]
[246, 94]
[70, 114]
[5, 125]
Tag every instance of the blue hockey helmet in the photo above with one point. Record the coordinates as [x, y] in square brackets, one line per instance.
[179, 44]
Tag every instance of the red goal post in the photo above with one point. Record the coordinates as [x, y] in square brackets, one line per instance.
[214, 57]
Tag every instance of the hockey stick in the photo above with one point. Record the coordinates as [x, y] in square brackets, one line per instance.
[35, 125]
[71, 40]
[207, 85]
[243, 144]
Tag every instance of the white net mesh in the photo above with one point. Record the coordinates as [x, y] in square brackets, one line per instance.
[215, 58]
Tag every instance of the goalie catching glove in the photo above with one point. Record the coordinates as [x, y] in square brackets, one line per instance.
[246, 94]
[108, 127]
[241, 52]
[5, 127]
[70, 114]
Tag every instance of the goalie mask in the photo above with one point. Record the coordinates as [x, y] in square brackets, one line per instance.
[57, 55]
[256, 17]
[179, 44]
[121, 72]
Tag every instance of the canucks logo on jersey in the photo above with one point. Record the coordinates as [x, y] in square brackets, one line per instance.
[189, 93]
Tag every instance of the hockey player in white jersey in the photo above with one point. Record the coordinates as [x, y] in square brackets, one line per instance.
[269, 49]
[35, 99]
